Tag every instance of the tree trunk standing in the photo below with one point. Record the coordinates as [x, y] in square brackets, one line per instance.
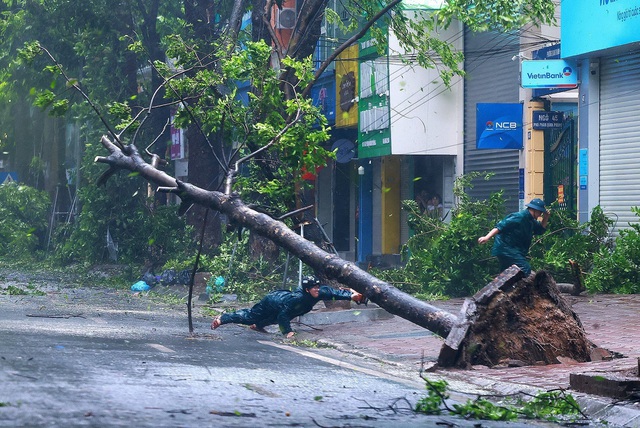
[509, 319]
[259, 30]
[259, 246]
[204, 172]
[201, 15]
[157, 121]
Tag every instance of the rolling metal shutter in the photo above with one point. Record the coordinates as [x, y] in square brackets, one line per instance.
[620, 137]
[492, 77]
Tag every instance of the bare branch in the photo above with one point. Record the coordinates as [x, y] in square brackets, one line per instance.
[348, 43]
[73, 83]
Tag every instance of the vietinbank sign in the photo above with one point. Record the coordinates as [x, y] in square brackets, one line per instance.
[550, 73]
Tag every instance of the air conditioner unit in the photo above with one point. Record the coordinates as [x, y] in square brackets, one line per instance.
[286, 18]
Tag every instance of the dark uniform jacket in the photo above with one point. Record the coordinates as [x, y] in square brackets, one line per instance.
[516, 232]
[281, 306]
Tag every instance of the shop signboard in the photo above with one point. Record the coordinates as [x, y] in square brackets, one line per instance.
[543, 120]
[499, 126]
[374, 114]
[595, 25]
[550, 73]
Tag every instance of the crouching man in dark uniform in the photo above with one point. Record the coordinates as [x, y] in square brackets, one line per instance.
[281, 306]
[514, 234]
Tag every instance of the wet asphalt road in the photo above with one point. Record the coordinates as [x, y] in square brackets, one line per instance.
[92, 357]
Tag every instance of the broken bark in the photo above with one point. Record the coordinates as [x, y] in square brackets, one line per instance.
[510, 319]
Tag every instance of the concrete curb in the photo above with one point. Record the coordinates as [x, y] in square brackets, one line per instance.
[601, 410]
[325, 317]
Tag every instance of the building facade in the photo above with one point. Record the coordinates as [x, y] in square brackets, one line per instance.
[604, 38]
[397, 130]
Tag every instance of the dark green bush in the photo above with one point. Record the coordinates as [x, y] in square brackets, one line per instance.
[24, 215]
[617, 269]
[142, 235]
[445, 258]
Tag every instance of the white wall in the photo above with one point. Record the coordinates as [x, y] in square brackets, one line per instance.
[426, 116]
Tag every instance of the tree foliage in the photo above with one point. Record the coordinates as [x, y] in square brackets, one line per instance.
[116, 53]
[444, 258]
[23, 220]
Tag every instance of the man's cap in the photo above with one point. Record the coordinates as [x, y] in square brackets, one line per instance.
[537, 204]
[309, 281]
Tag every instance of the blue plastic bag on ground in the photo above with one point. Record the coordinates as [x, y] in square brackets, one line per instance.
[140, 286]
[215, 285]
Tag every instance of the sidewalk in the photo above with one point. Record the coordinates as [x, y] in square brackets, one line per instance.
[611, 322]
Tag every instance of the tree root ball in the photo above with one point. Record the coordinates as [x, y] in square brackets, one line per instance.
[516, 321]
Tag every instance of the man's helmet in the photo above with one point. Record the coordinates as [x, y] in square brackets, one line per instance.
[309, 281]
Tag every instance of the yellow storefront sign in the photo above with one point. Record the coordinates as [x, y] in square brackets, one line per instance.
[347, 88]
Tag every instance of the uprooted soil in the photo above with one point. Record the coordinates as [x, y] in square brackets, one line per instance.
[524, 323]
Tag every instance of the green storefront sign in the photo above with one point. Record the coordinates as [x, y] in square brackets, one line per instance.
[374, 134]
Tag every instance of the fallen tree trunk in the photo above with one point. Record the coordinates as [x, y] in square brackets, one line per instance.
[508, 319]
[383, 294]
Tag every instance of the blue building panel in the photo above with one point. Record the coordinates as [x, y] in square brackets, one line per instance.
[323, 94]
[243, 91]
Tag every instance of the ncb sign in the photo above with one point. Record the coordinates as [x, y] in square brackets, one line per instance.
[499, 126]
[550, 73]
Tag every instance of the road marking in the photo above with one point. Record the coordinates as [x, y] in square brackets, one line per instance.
[160, 348]
[382, 375]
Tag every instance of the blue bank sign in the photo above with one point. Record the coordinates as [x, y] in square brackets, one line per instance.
[589, 26]
[550, 73]
[499, 126]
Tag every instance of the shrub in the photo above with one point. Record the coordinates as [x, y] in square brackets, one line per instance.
[245, 275]
[23, 220]
[568, 239]
[143, 233]
[445, 257]
[617, 269]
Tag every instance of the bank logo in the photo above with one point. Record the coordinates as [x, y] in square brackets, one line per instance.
[501, 125]
[567, 71]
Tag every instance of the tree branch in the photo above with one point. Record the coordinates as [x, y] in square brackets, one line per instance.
[348, 43]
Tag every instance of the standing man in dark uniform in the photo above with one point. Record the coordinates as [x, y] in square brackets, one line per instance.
[281, 306]
[514, 234]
